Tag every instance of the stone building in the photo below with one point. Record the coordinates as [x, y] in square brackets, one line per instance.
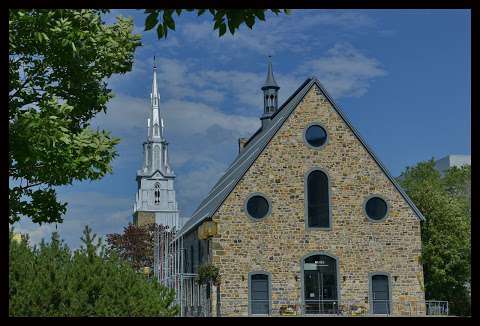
[306, 220]
[155, 199]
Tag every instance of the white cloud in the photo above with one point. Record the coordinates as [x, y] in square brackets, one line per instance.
[279, 34]
[196, 183]
[104, 213]
[345, 70]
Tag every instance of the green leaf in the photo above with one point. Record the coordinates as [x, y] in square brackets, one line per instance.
[231, 26]
[260, 14]
[222, 30]
[169, 21]
[165, 30]
[160, 31]
[250, 21]
[151, 21]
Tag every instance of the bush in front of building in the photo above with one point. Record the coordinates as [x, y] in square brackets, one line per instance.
[51, 280]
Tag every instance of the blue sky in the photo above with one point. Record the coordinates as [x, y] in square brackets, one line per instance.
[402, 77]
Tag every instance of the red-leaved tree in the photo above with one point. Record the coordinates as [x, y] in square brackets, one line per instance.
[135, 244]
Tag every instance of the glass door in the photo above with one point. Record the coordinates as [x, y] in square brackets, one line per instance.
[320, 285]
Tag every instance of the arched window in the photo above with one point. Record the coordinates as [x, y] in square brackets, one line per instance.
[156, 158]
[155, 129]
[259, 293]
[318, 205]
[157, 193]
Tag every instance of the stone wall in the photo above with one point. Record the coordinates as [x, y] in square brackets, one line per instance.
[143, 218]
[278, 243]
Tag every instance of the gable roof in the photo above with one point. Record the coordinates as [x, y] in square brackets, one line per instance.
[256, 144]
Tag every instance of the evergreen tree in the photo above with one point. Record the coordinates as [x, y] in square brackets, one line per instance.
[50, 280]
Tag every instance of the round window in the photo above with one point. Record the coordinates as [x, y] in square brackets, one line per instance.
[257, 207]
[316, 136]
[376, 208]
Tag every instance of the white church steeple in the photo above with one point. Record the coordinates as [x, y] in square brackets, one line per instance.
[156, 195]
[155, 130]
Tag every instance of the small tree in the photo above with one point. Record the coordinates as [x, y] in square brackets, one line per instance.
[50, 280]
[136, 244]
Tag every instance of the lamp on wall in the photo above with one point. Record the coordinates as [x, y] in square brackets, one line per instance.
[146, 271]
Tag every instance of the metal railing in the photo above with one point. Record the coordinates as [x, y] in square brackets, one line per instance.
[381, 307]
[260, 307]
[343, 308]
[437, 308]
[320, 307]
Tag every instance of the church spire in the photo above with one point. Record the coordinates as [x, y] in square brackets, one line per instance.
[154, 96]
[270, 95]
[156, 129]
[155, 199]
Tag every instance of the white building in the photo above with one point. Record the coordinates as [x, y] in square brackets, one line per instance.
[155, 199]
[450, 161]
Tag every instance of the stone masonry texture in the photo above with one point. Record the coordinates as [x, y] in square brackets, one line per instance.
[278, 243]
[143, 218]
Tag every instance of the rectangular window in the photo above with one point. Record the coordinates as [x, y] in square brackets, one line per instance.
[199, 252]
[208, 248]
[259, 294]
[191, 259]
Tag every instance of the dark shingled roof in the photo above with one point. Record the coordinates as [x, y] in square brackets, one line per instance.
[255, 146]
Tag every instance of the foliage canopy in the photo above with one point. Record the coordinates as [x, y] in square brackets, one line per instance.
[135, 245]
[58, 63]
[223, 18]
[444, 200]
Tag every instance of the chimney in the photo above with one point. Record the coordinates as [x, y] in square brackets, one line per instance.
[241, 144]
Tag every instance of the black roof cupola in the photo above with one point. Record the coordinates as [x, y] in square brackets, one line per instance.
[270, 95]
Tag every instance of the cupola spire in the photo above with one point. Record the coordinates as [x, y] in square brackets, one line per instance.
[270, 95]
